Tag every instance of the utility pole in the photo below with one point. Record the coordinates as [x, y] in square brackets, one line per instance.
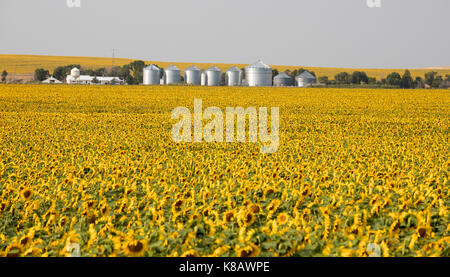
[112, 58]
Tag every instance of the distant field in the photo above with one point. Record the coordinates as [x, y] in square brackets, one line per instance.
[26, 64]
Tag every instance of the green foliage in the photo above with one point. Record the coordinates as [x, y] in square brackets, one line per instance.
[394, 79]
[4, 74]
[41, 74]
[430, 77]
[407, 80]
[342, 78]
[324, 80]
[359, 77]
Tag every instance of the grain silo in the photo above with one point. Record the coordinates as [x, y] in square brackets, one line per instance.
[305, 79]
[258, 75]
[192, 75]
[172, 75]
[213, 76]
[75, 73]
[204, 79]
[233, 77]
[151, 75]
[282, 80]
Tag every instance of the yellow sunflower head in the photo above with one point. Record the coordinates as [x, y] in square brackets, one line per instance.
[254, 208]
[228, 216]
[27, 193]
[13, 250]
[135, 248]
[282, 218]
[423, 231]
[246, 218]
[250, 250]
[190, 253]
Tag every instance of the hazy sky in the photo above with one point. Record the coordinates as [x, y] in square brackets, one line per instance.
[336, 33]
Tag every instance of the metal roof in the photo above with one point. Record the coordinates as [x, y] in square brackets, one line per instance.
[234, 69]
[306, 75]
[192, 68]
[213, 68]
[172, 68]
[90, 78]
[282, 75]
[152, 67]
[259, 64]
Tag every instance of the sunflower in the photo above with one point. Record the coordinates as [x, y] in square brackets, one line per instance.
[423, 231]
[135, 248]
[282, 218]
[33, 252]
[220, 251]
[13, 250]
[273, 206]
[25, 241]
[246, 218]
[250, 250]
[3, 206]
[254, 208]
[269, 191]
[190, 253]
[394, 226]
[176, 206]
[27, 193]
[228, 217]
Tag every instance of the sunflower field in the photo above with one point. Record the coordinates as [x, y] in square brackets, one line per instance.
[93, 171]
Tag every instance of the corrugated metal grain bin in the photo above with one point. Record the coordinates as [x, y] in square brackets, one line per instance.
[305, 79]
[192, 75]
[214, 76]
[172, 75]
[151, 75]
[233, 77]
[258, 75]
[282, 80]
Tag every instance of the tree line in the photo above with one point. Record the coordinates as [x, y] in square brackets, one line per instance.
[394, 80]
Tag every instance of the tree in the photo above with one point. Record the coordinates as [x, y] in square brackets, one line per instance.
[407, 80]
[41, 74]
[113, 71]
[437, 82]
[137, 71]
[324, 80]
[342, 78]
[4, 75]
[275, 72]
[129, 80]
[394, 79]
[125, 72]
[429, 77]
[95, 80]
[100, 72]
[419, 83]
[359, 77]
[372, 80]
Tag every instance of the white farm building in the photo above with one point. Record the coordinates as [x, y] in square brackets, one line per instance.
[51, 80]
[75, 78]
